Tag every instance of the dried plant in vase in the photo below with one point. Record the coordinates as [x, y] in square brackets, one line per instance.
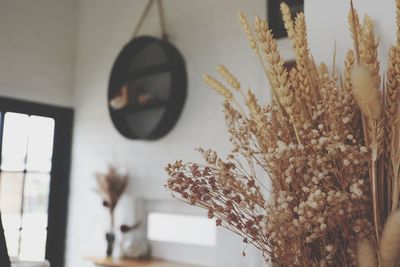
[328, 143]
[111, 186]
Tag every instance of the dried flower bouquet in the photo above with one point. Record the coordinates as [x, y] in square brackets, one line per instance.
[329, 143]
[111, 186]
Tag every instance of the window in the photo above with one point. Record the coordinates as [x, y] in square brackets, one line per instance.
[27, 147]
[35, 144]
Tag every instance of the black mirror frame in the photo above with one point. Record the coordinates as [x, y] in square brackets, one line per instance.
[178, 86]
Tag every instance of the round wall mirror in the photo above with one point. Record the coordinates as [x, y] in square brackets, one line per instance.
[147, 88]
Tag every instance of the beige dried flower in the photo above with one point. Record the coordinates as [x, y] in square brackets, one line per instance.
[365, 92]
[366, 254]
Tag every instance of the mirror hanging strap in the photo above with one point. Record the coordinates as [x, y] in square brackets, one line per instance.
[161, 18]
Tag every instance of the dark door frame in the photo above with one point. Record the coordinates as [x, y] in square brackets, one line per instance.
[4, 259]
[60, 172]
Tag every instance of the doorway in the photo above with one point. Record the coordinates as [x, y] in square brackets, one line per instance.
[35, 150]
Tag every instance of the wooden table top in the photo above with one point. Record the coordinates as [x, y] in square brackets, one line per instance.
[110, 262]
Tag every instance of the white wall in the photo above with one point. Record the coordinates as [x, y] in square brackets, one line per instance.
[61, 52]
[207, 33]
[327, 23]
[37, 49]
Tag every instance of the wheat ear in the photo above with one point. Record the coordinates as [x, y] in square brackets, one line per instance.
[390, 106]
[398, 20]
[395, 164]
[287, 20]
[369, 50]
[218, 87]
[302, 56]
[229, 77]
[247, 30]
[253, 44]
[355, 29]
[276, 69]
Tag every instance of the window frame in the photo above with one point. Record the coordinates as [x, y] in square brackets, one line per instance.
[4, 259]
[60, 172]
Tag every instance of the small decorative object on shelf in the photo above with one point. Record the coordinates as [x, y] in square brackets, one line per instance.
[133, 97]
[121, 100]
[133, 247]
[111, 186]
[329, 144]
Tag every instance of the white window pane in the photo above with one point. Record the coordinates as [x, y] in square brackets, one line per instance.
[184, 229]
[15, 140]
[36, 200]
[33, 244]
[36, 193]
[12, 164]
[34, 220]
[12, 241]
[39, 164]
[11, 187]
[40, 145]
[11, 221]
